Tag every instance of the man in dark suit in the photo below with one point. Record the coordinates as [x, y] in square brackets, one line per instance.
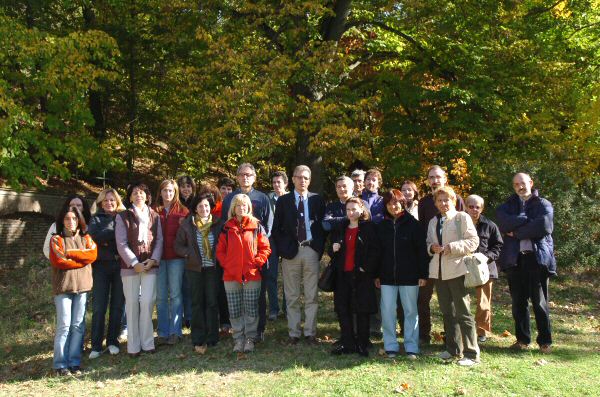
[300, 240]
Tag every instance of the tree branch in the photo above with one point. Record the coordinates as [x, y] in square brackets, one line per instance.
[540, 10]
[334, 27]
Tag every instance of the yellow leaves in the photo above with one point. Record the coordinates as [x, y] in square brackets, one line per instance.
[561, 10]
[506, 334]
[402, 388]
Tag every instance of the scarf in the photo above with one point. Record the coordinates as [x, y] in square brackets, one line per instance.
[143, 216]
[204, 229]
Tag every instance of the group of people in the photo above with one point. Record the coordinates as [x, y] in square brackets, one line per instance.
[209, 257]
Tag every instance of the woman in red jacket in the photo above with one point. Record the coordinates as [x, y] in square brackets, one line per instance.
[242, 250]
[71, 253]
[169, 303]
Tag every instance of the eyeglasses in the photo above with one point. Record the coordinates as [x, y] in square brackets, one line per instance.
[306, 178]
[474, 207]
[246, 175]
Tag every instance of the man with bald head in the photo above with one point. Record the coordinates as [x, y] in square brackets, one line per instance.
[526, 221]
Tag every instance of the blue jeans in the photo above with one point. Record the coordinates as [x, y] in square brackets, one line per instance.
[70, 320]
[270, 277]
[169, 304]
[408, 296]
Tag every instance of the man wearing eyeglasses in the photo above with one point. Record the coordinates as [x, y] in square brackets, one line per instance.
[261, 209]
[436, 178]
[300, 239]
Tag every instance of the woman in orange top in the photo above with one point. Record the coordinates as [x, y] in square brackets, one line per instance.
[242, 250]
[71, 253]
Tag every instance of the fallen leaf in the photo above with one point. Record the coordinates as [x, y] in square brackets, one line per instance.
[241, 356]
[541, 362]
[181, 356]
[100, 385]
[506, 334]
[326, 338]
[460, 391]
[438, 336]
[551, 304]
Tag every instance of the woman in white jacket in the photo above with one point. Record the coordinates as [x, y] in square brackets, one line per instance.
[451, 235]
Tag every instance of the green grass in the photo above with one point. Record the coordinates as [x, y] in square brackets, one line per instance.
[26, 330]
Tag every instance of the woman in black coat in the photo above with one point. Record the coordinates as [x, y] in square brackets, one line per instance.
[354, 255]
[403, 268]
[490, 245]
[106, 271]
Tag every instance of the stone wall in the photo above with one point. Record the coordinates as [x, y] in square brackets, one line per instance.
[24, 221]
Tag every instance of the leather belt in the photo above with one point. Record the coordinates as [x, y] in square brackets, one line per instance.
[305, 243]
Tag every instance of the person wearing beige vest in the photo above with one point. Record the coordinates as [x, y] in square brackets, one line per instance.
[71, 252]
[451, 236]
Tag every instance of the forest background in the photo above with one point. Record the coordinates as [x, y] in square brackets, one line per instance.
[119, 89]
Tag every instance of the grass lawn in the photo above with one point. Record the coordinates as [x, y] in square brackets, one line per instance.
[573, 368]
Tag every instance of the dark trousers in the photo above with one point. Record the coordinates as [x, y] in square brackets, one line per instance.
[348, 318]
[529, 281]
[425, 294]
[204, 289]
[107, 292]
[268, 286]
[186, 298]
[222, 300]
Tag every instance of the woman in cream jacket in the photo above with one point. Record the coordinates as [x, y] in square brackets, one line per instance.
[451, 235]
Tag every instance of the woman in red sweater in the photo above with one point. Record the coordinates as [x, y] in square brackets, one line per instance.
[71, 253]
[242, 250]
[169, 303]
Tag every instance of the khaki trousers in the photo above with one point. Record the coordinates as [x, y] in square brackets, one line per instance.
[483, 315]
[301, 271]
[140, 296]
[461, 335]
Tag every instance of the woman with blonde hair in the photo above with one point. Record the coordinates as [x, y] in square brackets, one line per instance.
[106, 271]
[169, 302]
[242, 250]
[451, 236]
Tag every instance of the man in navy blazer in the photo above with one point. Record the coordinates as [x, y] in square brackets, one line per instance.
[526, 221]
[300, 240]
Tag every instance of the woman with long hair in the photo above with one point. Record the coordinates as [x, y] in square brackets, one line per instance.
[140, 244]
[242, 250]
[169, 303]
[106, 271]
[71, 252]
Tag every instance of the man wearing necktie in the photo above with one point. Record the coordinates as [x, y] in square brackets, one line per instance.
[300, 240]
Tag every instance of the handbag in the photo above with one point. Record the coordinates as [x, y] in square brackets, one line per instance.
[327, 279]
[478, 272]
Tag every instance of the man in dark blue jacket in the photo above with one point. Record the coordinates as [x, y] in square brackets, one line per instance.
[526, 221]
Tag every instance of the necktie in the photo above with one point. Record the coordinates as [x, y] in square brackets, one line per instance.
[301, 221]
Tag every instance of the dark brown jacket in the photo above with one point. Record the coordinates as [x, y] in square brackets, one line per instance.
[186, 242]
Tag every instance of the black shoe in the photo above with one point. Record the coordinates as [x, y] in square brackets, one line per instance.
[341, 349]
[362, 351]
[311, 340]
[76, 370]
[260, 337]
[293, 340]
[63, 372]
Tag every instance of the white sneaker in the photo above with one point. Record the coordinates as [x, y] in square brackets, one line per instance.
[445, 355]
[467, 362]
[113, 350]
[94, 354]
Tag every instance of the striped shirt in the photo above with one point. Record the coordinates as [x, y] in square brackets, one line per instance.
[211, 238]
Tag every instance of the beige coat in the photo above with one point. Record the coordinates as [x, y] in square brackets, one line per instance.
[462, 242]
